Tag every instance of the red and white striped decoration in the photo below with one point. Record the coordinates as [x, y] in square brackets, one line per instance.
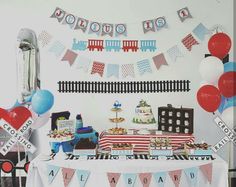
[141, 142]
[98, 67]
[189, 41]
[127, 70]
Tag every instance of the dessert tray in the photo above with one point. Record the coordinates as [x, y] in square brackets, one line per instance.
[60, 136]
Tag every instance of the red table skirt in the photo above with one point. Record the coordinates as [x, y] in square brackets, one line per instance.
[141, 142]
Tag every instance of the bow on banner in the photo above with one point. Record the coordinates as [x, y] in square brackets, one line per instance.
[130, 179]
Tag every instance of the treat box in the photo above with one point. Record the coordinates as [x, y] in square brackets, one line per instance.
[160, 152]
[62, 139]
[121, 152]
[199, 152]
[85, 152]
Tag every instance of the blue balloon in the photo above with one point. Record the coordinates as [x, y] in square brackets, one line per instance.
[42, 101]
[230, 102]
[229, 66]
[29, 98]
[222, 104]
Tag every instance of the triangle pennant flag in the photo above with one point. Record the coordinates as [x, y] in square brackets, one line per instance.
[189, 41]
[52, 172]
[67, 174]
[191, 174]
[200, 31]
[174, 52]
[160, 178]
[207, 171]
[144, 66]
[159, 60]
[113, 179]
[145, 179]
[69, 56]
[175, 176]
[129, 179]
[83, 176]
[98, 67]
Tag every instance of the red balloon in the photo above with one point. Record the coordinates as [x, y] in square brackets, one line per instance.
[227, 84]
[16, 117]
[219, 45]
[209, 98]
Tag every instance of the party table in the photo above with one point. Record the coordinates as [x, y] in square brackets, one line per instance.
[99, 169]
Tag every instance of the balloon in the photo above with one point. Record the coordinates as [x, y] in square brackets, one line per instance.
[228, 116]
[230, 66]
[230, 102]
[219, 45]
[211, 68]
[16, 117]
[222, 104]
[39, 120]
[209, 98]
[227, 84]
[42, 101]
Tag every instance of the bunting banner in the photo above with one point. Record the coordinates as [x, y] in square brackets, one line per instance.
[82, 176]
[113, 179]
[160, 178]
[93, 27]
[145, 179]
[98, 68]
[52, 172]
[207, 171]
[189, 41]
[69, 56]
[148, 25]
[200, 31]
[82, 63]
[154, 24]
[44, 38]
[175, 176]
[59, 14]
[184, 14]
[159, 60]
[57, 48]
[113, 70]
[192, 175]
[129, 179]
[144, 66]
[174, 52]
[127, 70]
[67, 174]
[160, 23]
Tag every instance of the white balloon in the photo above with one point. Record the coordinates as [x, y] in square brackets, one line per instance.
[228, 116]
[39, 120]
[211, 68]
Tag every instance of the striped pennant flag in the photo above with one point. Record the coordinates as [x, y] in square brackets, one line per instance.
[144, 66]
[174, 52]
[98, 67]
[189, 41]
[127, 70]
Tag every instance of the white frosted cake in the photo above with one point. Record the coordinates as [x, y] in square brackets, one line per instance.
[143, 114]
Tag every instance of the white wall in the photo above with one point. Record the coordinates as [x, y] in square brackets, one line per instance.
[95, 108]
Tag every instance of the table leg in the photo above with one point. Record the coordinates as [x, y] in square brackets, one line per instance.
[13, 174]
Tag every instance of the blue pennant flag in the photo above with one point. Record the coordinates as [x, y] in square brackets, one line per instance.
[83, 176]
[113, 70]
[52, 172]
[57, 48]
[191, 174]
[200, 31]
[129, 179]
[160, 178]
[144, 66]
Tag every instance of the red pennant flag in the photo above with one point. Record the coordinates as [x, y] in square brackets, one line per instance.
[70, 56]
[207, 171]
[67, 174]
[159, 60]
[113, 178]
[98, 67]
[145, 178]
[175, 176]
[189, 41]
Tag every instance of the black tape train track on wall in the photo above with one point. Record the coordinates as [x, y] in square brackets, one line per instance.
[124, 87]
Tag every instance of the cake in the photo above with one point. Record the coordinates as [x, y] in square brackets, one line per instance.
[143, 114]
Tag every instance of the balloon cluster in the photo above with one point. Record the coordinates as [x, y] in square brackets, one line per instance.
[220, 91]
[39, 103]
